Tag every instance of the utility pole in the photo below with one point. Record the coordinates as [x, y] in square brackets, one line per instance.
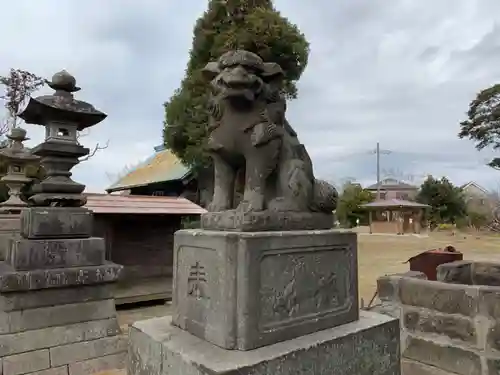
[377, 152]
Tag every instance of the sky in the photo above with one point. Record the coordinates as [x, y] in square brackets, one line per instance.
[397, 72]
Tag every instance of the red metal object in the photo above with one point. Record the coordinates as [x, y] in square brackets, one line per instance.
[428, 261]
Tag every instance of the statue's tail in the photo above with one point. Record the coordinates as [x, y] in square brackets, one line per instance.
[325, 197]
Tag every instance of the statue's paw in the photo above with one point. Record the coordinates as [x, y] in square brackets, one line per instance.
[281, 204]
[217, 207]
[250, 206]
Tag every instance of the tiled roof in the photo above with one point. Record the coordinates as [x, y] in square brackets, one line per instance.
[161, 166]
[392, 184]
[140, 204]
[388, 203]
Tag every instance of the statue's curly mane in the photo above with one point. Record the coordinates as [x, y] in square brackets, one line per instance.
[256, 137]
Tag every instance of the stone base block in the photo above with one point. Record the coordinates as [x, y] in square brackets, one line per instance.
[246, 290]
[43, 317]
[239, 221]
[409, 367]
[9, 227]
[56, 222]
[69, 331]
[52, 297]
[51, 337]
[24, 254]
[77, 349]
[12, 280]
[366, 347]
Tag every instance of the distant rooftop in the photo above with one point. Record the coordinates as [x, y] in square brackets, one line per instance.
[474, 185]
[393, 203]
[392, 184]
[139, 204]
[162, 166]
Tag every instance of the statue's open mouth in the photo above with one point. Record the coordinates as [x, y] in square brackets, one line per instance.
[242, 84]
[238, 85]
[242, 88]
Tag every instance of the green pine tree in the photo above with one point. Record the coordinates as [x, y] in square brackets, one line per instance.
[253, 25]
[447, 201]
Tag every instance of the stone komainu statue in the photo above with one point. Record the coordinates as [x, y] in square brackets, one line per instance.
[248, 130]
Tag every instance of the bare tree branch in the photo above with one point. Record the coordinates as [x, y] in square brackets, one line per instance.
[5, 125]
[18, 86]
[93, 151]
[98, 147]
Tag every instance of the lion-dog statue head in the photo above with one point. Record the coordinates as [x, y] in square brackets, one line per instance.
[242, 76]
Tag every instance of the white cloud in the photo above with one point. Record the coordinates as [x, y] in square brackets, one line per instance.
[398, 72]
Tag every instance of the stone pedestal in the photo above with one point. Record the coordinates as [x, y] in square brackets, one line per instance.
[57, 313]
[265, 303]
[367, 346]
[242, 290]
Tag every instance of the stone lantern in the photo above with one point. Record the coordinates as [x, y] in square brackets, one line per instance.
[17, 158]
[63, 116]
[55, 276]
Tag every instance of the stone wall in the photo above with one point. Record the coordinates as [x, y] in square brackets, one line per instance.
[470, 273]
[69, 331]
[446, 328]
[9, 226]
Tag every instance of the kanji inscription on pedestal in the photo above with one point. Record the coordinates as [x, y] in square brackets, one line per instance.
[197, 282]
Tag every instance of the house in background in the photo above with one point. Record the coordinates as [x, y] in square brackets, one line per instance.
[391, 188]
[478, 198]
[162, 174]
[139, 235]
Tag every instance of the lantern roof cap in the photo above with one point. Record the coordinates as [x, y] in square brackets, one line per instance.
[61, 106]
[17, 134]
[16, 150]
[63, 81]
